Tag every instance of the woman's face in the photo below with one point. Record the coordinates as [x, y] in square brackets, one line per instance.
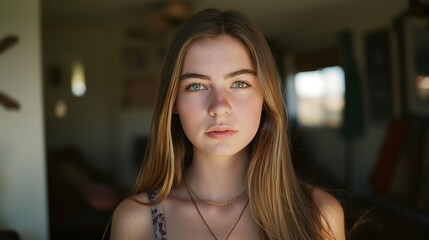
[219, 100]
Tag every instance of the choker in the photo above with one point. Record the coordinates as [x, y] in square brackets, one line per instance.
[214, 203]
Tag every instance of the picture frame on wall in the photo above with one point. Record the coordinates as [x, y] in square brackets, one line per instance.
[140, 83]
[415, 38]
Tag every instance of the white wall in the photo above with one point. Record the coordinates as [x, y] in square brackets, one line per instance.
[23, 200]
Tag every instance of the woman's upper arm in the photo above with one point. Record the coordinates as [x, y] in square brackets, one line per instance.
[332, 214]
[132, 220]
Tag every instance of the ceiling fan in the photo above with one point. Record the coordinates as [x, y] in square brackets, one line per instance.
[5, 100]
[158, 17]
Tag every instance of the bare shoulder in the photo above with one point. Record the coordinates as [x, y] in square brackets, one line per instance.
[332, 213]
[132, 219]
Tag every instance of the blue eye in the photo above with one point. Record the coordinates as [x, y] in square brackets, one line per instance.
[195, 87]
[240, 84]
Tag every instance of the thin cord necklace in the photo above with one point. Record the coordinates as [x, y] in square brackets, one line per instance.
[199, 213]
[214, 203]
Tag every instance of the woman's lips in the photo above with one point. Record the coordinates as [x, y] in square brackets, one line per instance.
[220, 132]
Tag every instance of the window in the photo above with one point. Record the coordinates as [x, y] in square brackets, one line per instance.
[319, 97]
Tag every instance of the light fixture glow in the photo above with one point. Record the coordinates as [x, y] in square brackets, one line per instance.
[78, 84]
[60, 109]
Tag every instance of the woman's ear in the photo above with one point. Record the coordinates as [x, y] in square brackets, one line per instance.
[175, 109]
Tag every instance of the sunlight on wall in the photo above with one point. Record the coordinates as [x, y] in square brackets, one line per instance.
[78, 84]
[320, 97]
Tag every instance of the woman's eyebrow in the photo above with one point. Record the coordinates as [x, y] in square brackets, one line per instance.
[194, 75]
[239, 72]
[229, 75]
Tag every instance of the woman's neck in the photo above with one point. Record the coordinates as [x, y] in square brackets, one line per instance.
[217, 178]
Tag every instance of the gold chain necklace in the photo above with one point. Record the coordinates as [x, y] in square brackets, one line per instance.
[199, 213]
[214, 203]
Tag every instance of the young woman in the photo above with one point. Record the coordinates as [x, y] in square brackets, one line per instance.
[218, 164]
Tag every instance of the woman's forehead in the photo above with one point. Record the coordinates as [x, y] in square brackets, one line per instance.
[217, 51]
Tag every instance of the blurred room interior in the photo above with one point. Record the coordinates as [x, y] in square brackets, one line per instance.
[356, 82]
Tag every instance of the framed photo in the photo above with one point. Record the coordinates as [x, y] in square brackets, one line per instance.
[139, 84]
[416, 65]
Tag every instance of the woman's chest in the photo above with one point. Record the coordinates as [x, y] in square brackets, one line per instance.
[185, 220]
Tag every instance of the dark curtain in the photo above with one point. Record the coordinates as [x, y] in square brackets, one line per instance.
[353, 115]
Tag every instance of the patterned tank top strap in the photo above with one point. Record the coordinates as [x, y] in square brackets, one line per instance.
[158, 217]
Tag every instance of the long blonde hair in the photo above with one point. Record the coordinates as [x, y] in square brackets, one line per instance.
[280, 204]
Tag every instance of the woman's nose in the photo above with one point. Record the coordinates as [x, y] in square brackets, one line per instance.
[219, 103]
